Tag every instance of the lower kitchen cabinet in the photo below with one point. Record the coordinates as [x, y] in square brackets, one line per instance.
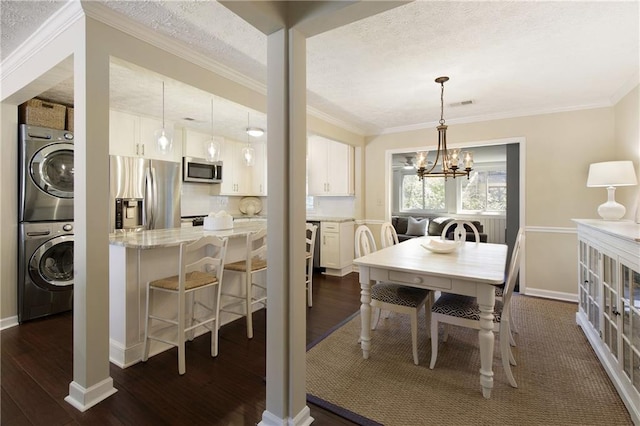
[336, 247]
[609, 301]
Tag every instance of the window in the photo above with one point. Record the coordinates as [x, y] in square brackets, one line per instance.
[484, 191]
[426, 194]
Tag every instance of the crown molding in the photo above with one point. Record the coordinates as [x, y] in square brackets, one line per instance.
[335, 121]
[497, 116]
[107, 16]
[627, 87]
[55, 25]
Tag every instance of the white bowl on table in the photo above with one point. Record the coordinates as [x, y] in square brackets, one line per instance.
[441, 246]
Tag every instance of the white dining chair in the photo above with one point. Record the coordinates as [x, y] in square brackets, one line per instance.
[460, 230]
[464, 311]
[200, 269]
[394, 297]
[310, 236]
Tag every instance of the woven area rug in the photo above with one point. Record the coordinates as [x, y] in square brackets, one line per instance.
[560, 380]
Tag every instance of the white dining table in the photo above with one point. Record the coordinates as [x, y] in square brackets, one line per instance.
[473, 270]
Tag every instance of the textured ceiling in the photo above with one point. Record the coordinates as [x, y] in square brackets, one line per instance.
[509, 58]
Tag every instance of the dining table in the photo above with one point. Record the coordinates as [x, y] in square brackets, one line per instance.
[472, 269]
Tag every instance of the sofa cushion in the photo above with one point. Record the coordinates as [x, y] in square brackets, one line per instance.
[417, 227]
[400, 223]
[436, 226]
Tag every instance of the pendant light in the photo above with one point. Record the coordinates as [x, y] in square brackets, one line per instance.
[164, 137]
[212, 146]
[248, 153]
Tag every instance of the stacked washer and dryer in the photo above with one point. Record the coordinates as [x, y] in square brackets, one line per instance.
[45, 245]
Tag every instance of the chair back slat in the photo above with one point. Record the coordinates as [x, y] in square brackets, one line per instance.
[512, 273]
[388, 235]
[209, 252]
[311, 238]
[256, 247]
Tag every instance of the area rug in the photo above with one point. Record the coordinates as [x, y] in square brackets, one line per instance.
[560, 380]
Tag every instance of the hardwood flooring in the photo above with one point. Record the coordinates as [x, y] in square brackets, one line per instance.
[37, 367]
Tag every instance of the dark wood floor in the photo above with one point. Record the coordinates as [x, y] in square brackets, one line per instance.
[227, 390]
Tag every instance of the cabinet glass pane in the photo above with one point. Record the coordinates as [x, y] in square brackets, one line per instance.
[608, 270]
[626, 321]
[614, 339]
[626, 282]
[607, 333]
[636, 371]
[607, 302]
[593, 259]
[626, 355]
[635, 284]
[635, 328]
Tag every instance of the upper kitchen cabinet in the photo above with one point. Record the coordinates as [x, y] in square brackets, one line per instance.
[259, 172]
[134, 136]
[330, 167]
[194, 143]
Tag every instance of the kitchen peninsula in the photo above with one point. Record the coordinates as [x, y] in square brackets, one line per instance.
[135, 258]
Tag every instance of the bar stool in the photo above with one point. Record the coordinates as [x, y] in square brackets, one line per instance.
[310, 247]
[200, 269]
[255, 262]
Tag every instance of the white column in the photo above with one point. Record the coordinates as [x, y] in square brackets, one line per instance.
[286, 312]
[91, 381]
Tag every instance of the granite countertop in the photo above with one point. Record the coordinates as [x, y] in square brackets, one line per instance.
[174, 236]
[329, 219]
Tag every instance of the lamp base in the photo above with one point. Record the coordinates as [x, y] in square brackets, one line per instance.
[611, 210]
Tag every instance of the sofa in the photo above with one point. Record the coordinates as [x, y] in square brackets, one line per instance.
[415, 226]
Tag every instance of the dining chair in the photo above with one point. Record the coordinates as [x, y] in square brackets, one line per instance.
[310, 235]
[254, 263]
[394, 297]
[200, 269]
[388, 235]
[464, 311]
[460, 230]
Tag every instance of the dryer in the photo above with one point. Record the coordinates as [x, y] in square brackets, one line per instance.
[45, 274]
[46, 174]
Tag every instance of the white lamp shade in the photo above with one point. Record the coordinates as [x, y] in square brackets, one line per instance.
[212, 148]
[612, 173]
[164, 140]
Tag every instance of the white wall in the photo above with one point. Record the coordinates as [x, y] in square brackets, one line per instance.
[627, 146]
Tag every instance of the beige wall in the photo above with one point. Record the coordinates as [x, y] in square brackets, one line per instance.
[627, 146]
[558, 150]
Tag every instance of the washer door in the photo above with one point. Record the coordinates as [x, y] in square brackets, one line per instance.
[51, 265]
[52, 169]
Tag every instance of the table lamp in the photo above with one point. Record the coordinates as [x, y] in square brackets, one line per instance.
[610, 174]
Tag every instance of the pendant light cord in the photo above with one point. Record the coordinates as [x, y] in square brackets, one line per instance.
[163, 104]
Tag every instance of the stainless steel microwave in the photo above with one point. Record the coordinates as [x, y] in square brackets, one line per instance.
[201, 170]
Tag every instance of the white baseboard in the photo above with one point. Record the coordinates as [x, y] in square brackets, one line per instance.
[303, 418]
[548, 294]
[85, 398]
[8, 322]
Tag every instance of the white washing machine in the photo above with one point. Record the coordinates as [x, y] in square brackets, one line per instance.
[45, 274]
[46, 174]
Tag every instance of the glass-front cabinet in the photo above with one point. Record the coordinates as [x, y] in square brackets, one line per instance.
[609, 301]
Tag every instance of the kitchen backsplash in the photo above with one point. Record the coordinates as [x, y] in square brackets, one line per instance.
[197, 200]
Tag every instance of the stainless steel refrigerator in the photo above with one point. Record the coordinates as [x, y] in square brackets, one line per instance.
[144, 194]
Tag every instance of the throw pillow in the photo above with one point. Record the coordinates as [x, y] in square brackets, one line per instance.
[417, 227]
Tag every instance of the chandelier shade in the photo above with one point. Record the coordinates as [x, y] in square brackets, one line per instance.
[448, 162]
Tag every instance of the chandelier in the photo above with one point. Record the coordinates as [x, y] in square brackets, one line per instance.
[454, 163]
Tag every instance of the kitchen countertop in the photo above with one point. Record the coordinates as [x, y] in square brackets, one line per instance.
[329, 219]
[174, 236]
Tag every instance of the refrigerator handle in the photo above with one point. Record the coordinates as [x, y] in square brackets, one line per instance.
[148, 198]
[154, 185]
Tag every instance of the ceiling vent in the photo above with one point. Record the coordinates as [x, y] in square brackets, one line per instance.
[463, 103]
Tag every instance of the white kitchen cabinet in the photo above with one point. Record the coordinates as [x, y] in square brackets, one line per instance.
[609, 301]
[193, 145]
[236, 176]
[134, 136]
[330, 168]
[336, 247]
[259, 172]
